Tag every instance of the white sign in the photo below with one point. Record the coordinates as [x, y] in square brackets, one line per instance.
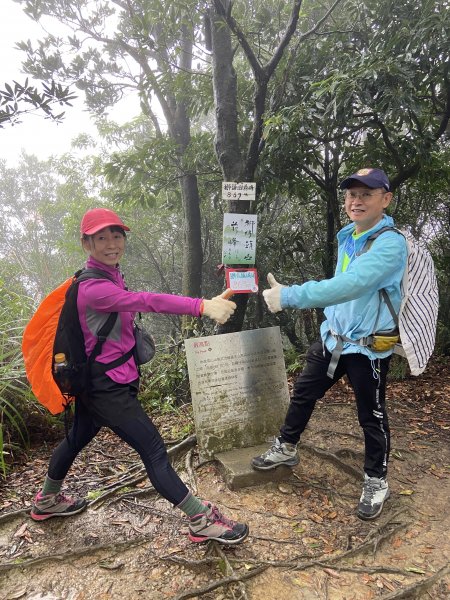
[239, 239]
[238, 191]
[242, 281]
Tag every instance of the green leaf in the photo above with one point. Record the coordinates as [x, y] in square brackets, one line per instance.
[416, 570]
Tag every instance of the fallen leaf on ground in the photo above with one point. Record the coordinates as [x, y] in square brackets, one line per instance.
[332, 573]
[285, 488]
[315, 517]
[388, 584]
[21, 531]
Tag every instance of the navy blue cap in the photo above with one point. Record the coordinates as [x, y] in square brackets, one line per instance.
[373, 178]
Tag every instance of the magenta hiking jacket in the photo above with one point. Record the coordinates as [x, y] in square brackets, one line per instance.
[97, 298]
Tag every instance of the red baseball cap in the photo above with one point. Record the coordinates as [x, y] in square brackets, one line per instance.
[99, 218]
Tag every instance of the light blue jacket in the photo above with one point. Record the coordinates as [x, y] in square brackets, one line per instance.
[353, 306]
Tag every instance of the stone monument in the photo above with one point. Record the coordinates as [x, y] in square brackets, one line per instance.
[239, 389]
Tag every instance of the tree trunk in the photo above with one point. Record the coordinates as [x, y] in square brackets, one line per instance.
[193, 251]
[225, 99]
[180, 128]
[328, 258]
[235, 166]
[227, 146]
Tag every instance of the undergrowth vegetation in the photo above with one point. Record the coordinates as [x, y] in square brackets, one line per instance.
[164, 381]
[14, 392]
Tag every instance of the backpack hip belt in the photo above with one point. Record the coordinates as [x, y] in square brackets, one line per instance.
[381, 341]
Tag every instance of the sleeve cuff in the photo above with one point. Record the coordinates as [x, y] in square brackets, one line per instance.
[284, 297]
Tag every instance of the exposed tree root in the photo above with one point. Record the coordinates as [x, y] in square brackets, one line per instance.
[413, 591]
[367, 544]
[373, 540]
[191, 562]
[349, 453]
[134, 468]
[229, 571]
[325, 488]
[9, 516]
[190, 471]
[185, 444]
[321, 453]
[228, 562]
[365, 569]
[174, 515]
[147, 491]
[341, 434]
[378, 534]
[236, 578]
[97, 502]
[289, 564]
[141, 474]
[263, 538]
[75, 553]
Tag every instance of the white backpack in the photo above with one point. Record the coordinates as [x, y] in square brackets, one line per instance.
[417, 318]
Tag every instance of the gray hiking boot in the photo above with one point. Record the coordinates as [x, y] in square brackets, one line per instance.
[375, 493]
[280, 453]
[55, 505]
[213, 525]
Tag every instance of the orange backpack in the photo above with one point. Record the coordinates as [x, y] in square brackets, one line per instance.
[55, 328]
[37, 348]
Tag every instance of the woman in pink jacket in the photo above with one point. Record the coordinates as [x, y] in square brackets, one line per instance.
[112, 400]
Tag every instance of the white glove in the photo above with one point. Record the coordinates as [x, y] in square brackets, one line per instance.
[218, 308]
[273, 296]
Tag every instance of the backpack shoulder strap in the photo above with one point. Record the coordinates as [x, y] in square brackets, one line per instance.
[370, 240]
[92, 273]
[383, 294]
[107, 327]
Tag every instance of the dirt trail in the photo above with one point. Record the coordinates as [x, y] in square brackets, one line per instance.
[305, 542]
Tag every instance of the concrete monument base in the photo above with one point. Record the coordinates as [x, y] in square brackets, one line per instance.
[238, 472]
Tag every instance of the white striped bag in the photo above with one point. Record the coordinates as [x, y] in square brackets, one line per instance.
[417, 318]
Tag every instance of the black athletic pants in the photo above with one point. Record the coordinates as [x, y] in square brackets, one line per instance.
[138, 432]
[368, 379]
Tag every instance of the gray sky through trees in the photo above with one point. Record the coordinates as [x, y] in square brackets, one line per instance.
[35, 134]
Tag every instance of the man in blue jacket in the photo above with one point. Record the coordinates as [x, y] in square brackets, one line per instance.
[354, 311]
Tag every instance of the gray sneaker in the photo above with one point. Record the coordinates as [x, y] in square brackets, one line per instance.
[55, 505]
[375, 493]
[213, 525]
[280, 453]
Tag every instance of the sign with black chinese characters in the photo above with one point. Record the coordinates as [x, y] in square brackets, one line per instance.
[242, 281]
[239, 239]
[232, 190]
[239, 388]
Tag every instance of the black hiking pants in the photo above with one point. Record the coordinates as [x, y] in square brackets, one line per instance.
[368, 380]
[132, 425]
